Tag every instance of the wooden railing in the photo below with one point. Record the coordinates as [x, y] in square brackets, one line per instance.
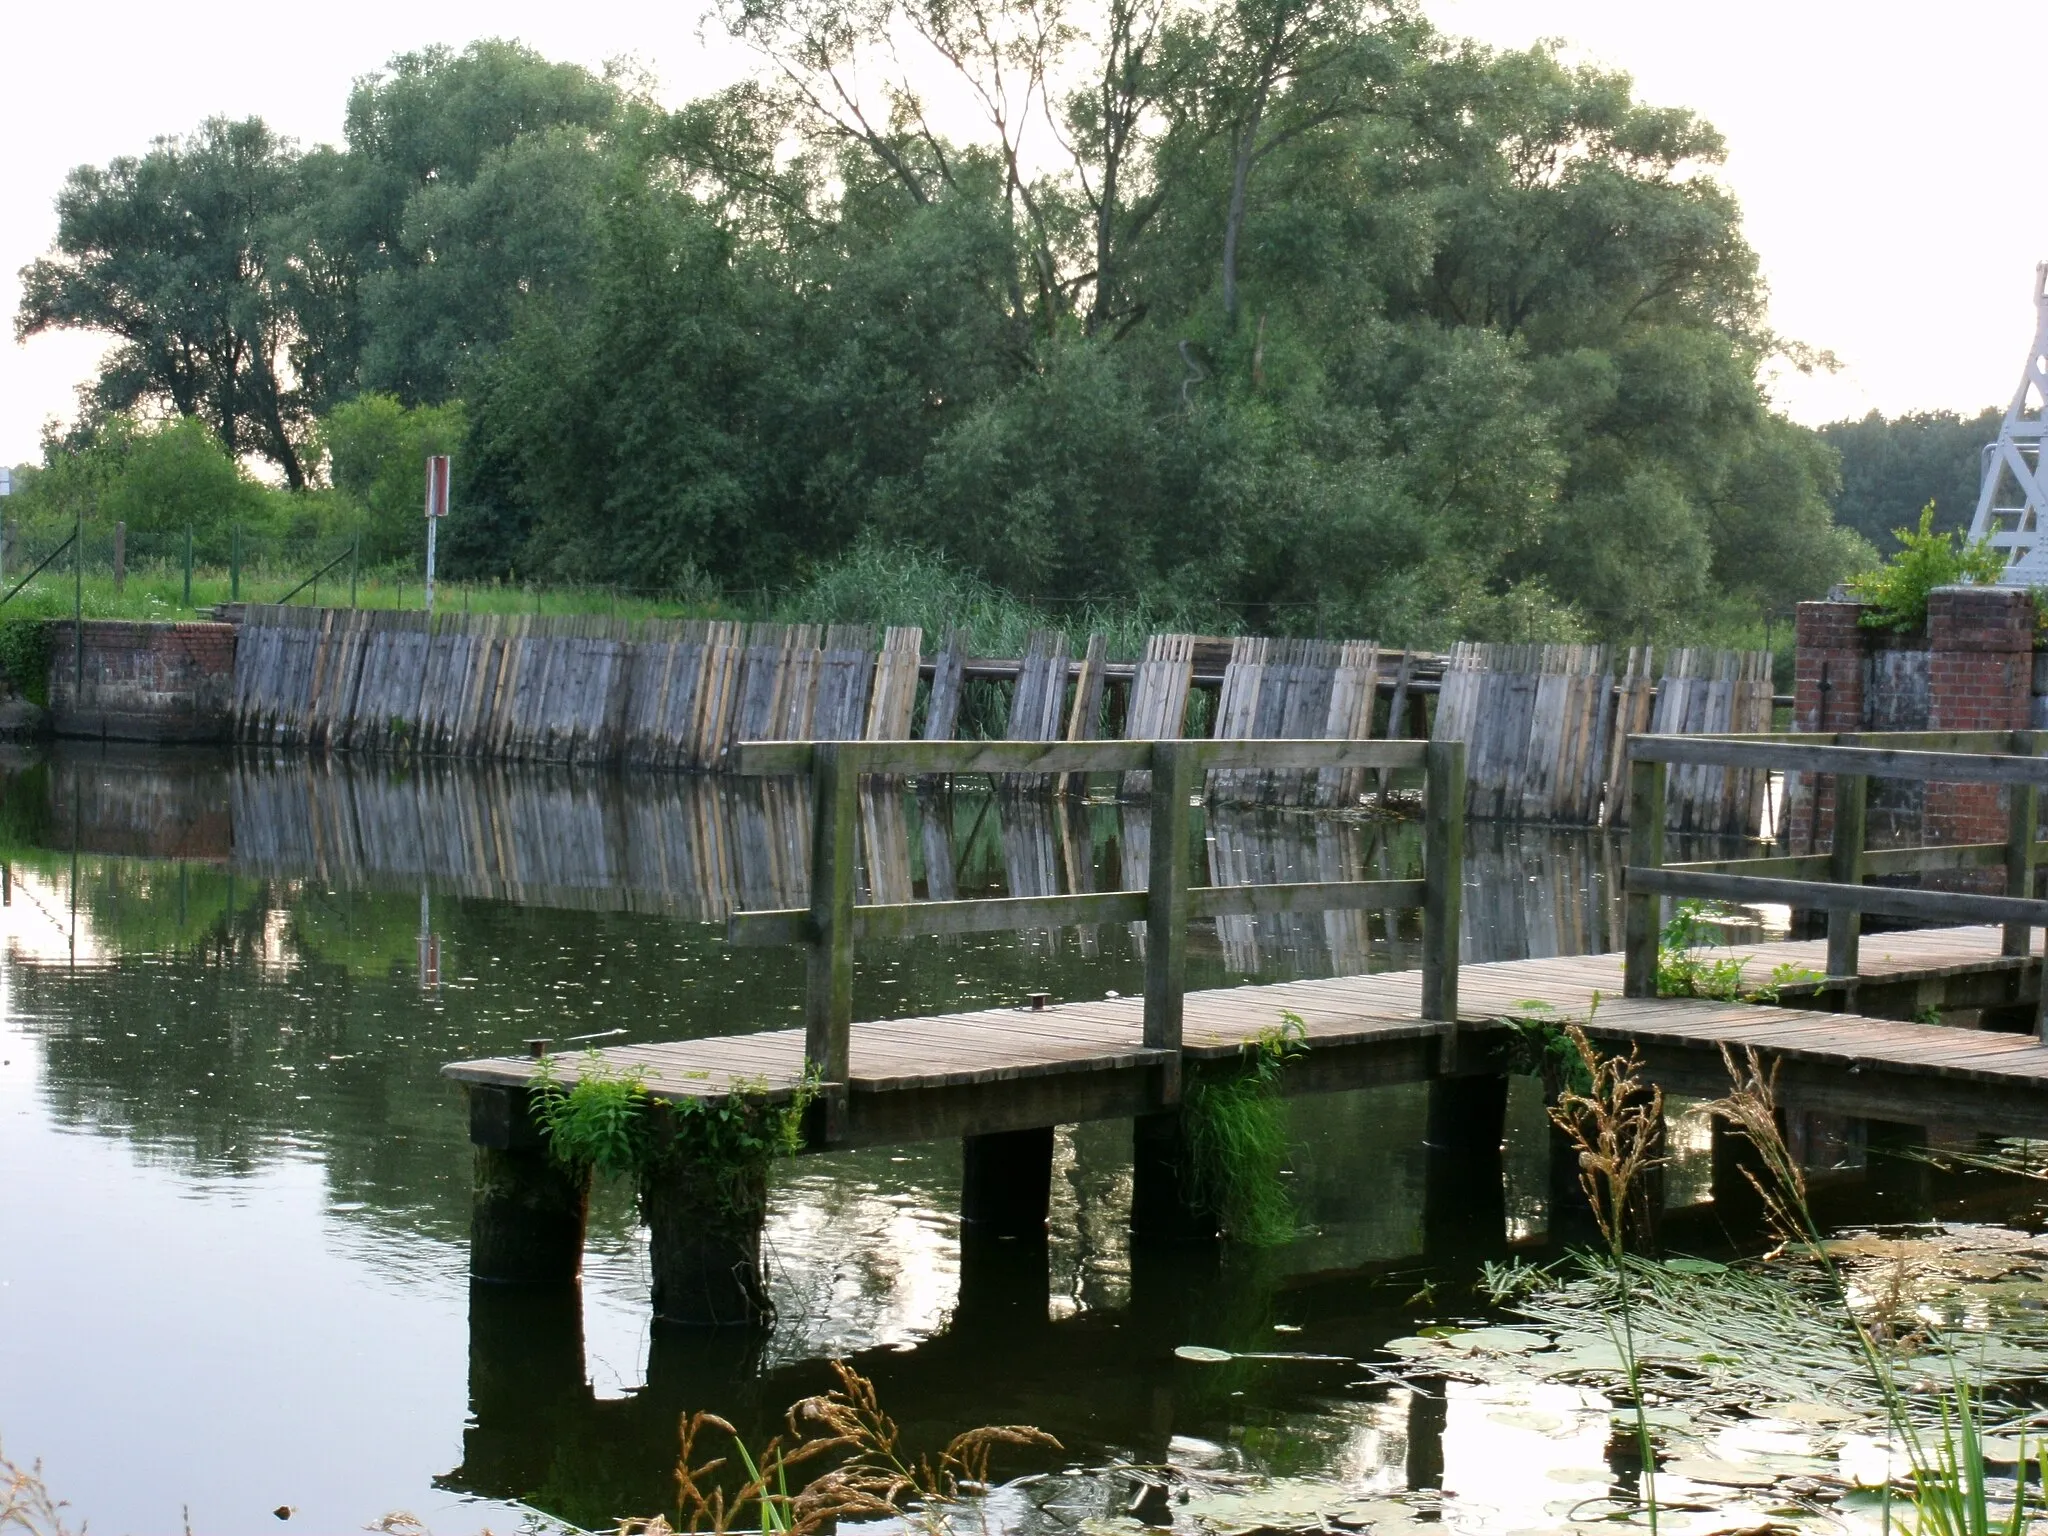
[832, 924]
[1833, 881]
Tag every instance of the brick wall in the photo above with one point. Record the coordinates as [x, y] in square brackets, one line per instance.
[1832, 670]
[143, 682]
[1980, 678]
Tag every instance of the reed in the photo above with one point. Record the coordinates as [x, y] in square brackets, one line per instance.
[1614, 1120]
[1948, 1475]
[871, 1473]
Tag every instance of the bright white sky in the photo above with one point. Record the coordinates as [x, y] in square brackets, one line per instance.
[1885, 156]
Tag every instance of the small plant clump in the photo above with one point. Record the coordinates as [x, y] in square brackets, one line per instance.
[1684, 971]
[1897, 591]
[607, 1122]
[1236, 1126]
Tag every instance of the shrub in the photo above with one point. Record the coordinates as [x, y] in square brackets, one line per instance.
[1897, 590]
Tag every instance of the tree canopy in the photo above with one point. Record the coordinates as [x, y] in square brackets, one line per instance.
[1291, 310]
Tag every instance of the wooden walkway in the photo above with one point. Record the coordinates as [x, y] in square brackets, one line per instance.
[995, 1069]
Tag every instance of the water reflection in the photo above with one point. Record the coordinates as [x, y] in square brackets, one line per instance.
[222, 1124]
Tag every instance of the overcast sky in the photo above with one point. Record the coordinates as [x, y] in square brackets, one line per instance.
[1885, 158]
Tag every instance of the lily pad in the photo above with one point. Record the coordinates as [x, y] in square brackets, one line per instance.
[1722, 1474]
[1201, 1354]
[1541, 1423]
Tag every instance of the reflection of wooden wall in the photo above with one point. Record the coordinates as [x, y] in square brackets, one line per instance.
[1248, 848]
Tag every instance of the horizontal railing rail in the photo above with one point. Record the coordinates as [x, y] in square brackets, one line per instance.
[1833, 882]
[833, 923]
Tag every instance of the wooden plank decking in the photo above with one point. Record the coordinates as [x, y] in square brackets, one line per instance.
[997, 1068]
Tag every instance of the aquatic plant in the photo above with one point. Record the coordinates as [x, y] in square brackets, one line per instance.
[1951, 1494]
[1616, 1122]
[1948, 1475]
[25, 659]
[873, 1477]
[26, 1503]
[1235, 1124]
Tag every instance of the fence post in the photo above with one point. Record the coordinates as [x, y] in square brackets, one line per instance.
[235, 564]
[1443, 872]
[188, 565]
[828, 973]
[1176, 775]
[355, 555]
[120, 555]
[2021, 828]
[1845, 867]
[78, 610]
[1645, 851]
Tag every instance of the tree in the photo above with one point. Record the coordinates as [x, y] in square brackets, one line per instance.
[177, 255]
[1892, 469]
[376, 451]
[157, 477]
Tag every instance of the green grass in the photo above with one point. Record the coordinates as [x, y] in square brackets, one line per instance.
[158, 592]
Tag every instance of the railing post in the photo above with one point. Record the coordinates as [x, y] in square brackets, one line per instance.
[2021, 827]
[1845, 867]
[235, 564]
[188, 565]
[1645, 851]
[1443, 871]
[828, 976]
[1175, 779]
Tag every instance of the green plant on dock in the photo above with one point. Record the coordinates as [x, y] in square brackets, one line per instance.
[606, 1121]
[1682, 971]
[735, 1136]
[1541, 1048]
[599, 1121]
[1236, 1128]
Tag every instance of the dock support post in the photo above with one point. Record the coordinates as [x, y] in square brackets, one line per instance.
[828, 975]
[704, 1230]
[1006, 1182]
[1845, 867]
[527, 1215]
[1896, 1169]
[1736, 1165]
[1005, 1255]
[2021, 827]
[1443, 870]
[1464, 1195]
[1164, 1208]
[1176, 777]
[1645, 851]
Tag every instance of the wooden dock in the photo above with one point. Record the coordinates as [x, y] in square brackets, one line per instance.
[944, 1075]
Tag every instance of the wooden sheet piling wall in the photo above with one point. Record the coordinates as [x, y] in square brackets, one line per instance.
[1544, 728]
[1544, 725]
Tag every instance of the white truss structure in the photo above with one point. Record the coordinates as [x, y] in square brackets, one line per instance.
[2012, 506]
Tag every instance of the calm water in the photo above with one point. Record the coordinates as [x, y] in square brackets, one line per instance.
[234, 1191]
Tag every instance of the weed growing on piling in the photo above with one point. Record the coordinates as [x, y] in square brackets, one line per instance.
[1236, 1127]
[607, 1122]
[599, 1121]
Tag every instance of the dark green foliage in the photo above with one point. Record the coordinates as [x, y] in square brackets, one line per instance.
[1367, 332]
[25, 658]
[1892, 469]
